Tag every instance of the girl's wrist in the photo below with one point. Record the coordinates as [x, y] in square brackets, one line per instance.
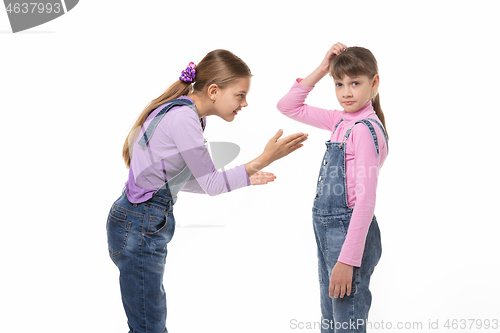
[314, 77]
[257, 164]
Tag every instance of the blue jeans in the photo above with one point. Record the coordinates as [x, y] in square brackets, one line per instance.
[350, 313]
[137, 241]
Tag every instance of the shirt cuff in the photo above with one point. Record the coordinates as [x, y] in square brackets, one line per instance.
[298, 85]
[246, 173]
[353, 263]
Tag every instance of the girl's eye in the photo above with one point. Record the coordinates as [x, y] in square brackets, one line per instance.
[355, 83]
[338, 84]
[240, 95]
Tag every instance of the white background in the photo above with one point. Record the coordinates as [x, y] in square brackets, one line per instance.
[246, 261]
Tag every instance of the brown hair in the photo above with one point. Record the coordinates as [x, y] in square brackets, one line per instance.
[355, 61]
[219, 67]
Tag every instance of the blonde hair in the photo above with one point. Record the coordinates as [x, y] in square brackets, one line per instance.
[355, 61]
[219, 67]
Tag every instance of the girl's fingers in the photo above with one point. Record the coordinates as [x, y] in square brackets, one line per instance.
[292, 137]
[296, 147]
[336, 291]
[296, 144]
[264, 175]
[342, 291]
[295, 136]
[331, 52]
[336, 48]
[286, 145]
[277, 135]
[298, 140]
[261, 178]
[267, 175]
[339, 48]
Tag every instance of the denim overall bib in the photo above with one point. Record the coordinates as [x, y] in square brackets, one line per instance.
[331, 216]
[138, 235]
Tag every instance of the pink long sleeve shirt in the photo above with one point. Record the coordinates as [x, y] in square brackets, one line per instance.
[362, 162]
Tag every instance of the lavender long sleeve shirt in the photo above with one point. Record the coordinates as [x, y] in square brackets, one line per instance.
[178, 141]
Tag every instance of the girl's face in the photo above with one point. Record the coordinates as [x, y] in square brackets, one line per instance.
[231, 99]
[354, 92]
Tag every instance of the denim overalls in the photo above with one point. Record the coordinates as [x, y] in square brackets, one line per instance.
[331, 216]
[137, 241]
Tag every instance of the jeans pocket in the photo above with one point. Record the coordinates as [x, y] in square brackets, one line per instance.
[118, 230]
[156, 224]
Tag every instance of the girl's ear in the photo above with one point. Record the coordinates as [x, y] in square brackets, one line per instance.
[212, 91]
[375, 82]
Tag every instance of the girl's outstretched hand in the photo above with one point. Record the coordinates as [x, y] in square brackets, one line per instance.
[261, 178]
[276, 149]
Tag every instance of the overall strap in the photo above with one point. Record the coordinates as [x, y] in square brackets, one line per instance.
[372, 131]
[165, 108]
[337, 125]
[383, 131]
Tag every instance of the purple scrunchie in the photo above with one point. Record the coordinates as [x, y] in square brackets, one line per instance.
[189, 73]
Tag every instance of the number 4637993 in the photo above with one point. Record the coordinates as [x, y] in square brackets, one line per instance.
[34, 7]
[471, 323]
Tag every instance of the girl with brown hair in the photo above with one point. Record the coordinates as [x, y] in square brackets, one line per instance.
[345, 227]
[165, 152]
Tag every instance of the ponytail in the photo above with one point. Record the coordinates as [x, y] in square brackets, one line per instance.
[379, 112]
[176, 90]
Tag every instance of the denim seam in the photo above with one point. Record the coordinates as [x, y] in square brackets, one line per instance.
[157, 208]
[159, 200]
[344, 229]
[143, 288]
[345, 181]
[118, 214]
[119, 208]
[163, 201]
[320, 213]
[142, 232]
[325, 242]
[352, 314]
[358, 272]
